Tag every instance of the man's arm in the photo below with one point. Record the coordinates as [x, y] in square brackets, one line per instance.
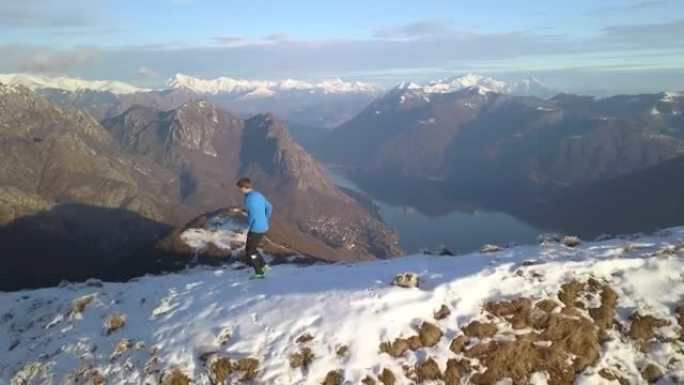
[269, 208]
[250, 203]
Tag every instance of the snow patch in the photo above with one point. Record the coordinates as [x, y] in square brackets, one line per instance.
[264, 88]
[174, 320]
[34, 82]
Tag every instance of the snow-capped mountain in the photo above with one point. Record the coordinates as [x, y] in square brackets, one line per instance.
[553, 314]
[264, 88]
[37, 82]
[523, 87]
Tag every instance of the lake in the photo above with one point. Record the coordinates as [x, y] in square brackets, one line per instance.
[430, 218]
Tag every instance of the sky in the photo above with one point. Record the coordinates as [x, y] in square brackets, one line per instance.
[609, 46]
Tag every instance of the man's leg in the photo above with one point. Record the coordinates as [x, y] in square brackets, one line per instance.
[252, 255]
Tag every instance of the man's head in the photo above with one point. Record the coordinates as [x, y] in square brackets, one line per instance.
[245, 185]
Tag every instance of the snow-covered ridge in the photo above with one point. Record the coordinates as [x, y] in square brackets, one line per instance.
[258, 88]
[207, 323]
[525, 87]
[34, 82]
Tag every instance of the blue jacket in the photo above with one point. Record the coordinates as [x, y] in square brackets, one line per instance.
[259, 210]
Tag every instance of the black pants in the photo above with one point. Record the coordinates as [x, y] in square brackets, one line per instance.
[252, 256]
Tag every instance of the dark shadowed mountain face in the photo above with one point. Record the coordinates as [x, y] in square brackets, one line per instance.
[208, 149]
[477, 136]
[94, 203]
[643, 200]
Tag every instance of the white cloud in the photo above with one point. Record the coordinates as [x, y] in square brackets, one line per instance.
[146, 72]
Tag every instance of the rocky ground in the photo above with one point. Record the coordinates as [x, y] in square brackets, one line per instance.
[608, 312]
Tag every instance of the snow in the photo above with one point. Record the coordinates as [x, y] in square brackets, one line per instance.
[34, 82]
[467, 81]
[180, 316]
[524, 87]
[264, 88]
[654, 111]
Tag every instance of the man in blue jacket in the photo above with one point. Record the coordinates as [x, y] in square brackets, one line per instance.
[259, 211]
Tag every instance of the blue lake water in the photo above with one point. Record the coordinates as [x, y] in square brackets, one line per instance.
[460, 231]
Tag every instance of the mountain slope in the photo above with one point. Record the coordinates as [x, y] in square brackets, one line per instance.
[603, 310]
[479, 136]
[209, 149]
[643, 200]
[72, 204]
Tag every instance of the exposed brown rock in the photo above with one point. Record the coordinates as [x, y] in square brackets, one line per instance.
[302, 359]
[429, 334]
[642, 328]
[113, 323]
[387, 377]
[571, 241]
[517, 312]
[334, 377]
[680, 320]
[547, 305]
[221, 369]
[415, 343]
[342, 351]
[176, 377]
[480, 330]
[406, 281]
[604, 315]
[453, 373]
[442, 313]
[368, 380]
[651, 373]
[395, 349]
[304, 338]
[428, 371]
[249, 366]
[458, 344]
[570, 293]
[611, 376]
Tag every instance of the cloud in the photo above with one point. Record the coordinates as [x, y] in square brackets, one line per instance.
[279, 38]
[417, 29]
[657, 35]
[55, 62]
[78, 15]
[638, 6]
[146, 72]
[228, 39]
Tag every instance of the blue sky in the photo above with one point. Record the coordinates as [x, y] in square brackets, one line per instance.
[617, 46]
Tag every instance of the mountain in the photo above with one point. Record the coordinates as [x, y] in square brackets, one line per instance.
[72, 204]
[209, 149]
[599, 313]
[643, 200]
[78, 201]
[480, 136]
[264, 88]
[37, 82]
[523, 87]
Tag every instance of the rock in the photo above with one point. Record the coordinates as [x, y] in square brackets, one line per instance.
[480, 330]
[571, 241]
[304, 338]
[442, 313]
[458, 344]
[489, 248]
[651, 373]
[334, 377]
[429, 334]
[406, 280]
[387, 377]
[428, 371]
[396, 349]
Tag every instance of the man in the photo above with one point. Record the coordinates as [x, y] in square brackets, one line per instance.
[259, 211]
